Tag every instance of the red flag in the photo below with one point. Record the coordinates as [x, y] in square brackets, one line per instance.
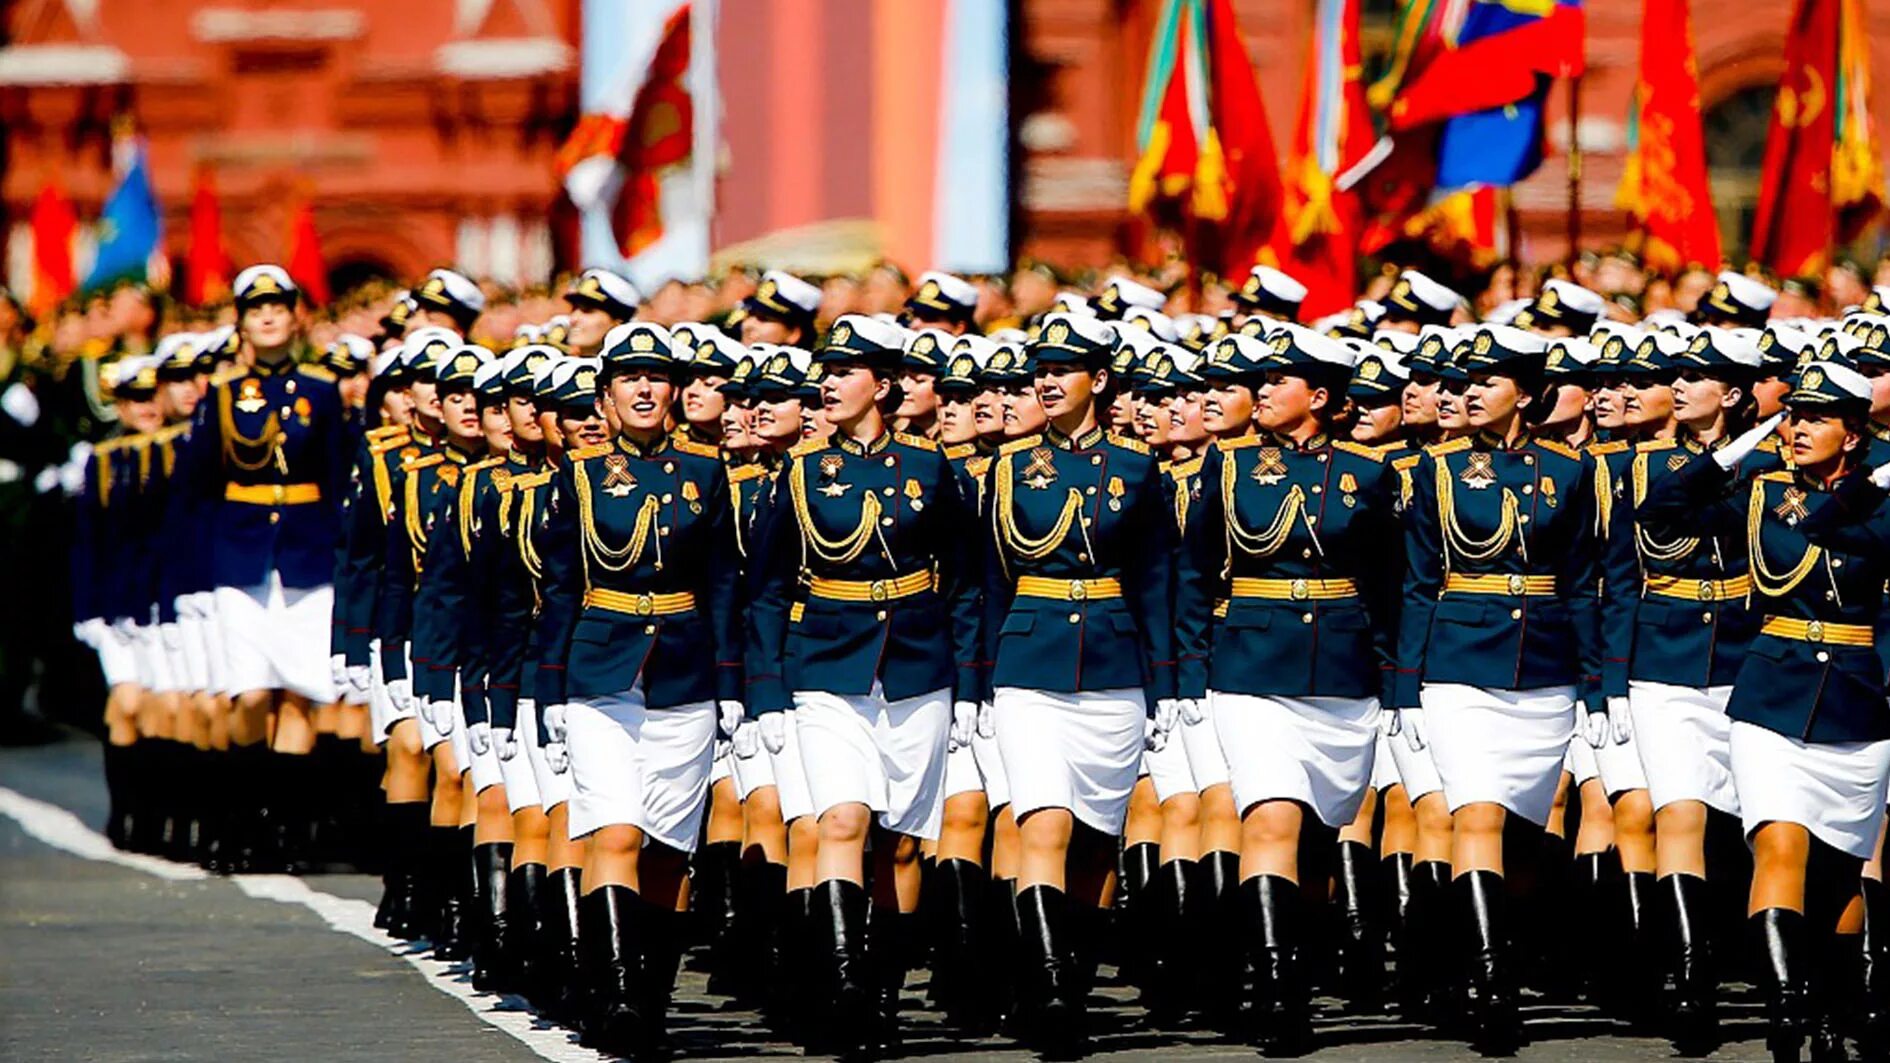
[53, 224]
[1794, 225]
[1664, 185]
[1239, 139]
[305, 255]
[207, 271]
[1495, 70]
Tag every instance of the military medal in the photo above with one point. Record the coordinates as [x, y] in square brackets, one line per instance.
[1548, 491]
[1116, 491]
[916, 494]
[1270, 468]
[618, 481]
[1675, 461]
[1042, 470]
[249, 396]
[692, 495]
[1479, 473]
[1791, 508]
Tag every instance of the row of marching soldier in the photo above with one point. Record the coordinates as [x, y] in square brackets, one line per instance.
[1541, 653]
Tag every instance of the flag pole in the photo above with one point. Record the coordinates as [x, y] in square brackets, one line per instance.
[1574, 171]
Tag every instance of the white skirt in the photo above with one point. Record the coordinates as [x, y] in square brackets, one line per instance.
[383, 714]
[1833, 789]
[886, 755]
[754, 772]
[634, 766]
[1078, 751]
[997, 785]
[154, 661]
[723, 766]
[1317, 751]
[484, 766]
[202, 640]
[554, 787]
[117, 656]
[1207, 761]
[961, 772]
[1384, 766]
[195, 633]
[521, 783]
[790, 774]
[1504, 747]
[1169, 770]
[1684, 739]
[1580, 762]
[1417, 769]
[173, 671]
[275, 638]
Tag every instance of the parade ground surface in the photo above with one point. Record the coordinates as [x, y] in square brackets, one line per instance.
[110, 957]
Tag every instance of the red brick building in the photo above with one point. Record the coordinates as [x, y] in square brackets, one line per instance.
[423, 131]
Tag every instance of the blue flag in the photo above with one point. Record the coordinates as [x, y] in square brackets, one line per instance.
[129, 228]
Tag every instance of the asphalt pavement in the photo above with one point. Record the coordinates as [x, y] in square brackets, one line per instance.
[116, 959]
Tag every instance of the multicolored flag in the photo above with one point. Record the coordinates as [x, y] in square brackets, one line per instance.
[1664, 185]
[207, 270]
[1317, 238]
[54, 222]
[130, 228]
[1823, 173]
[1203, 132]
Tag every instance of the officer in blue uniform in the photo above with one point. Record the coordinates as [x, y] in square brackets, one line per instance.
[1078, 600]
[640, 657]
[1499, 630]
[1810, 741]
[269, 459]
[1290, 531]
[868, 545]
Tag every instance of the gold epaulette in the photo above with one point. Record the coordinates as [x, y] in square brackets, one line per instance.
[1128, 443]
[317, 372]
[486, 463]
[1563, 449]
[807, 446]
[527, 481]
[387, 443]
[1230, 445]
[227, 373]
[960, 450]
[1368, 452]
[1650, 445]
[594, 451]
[977, 466]
[911, 440]
[422, 462]
[1388, 449]
[700, 450]
[106, 446]
[1768, 445]
[386, 431]
[1178, 469]
[1613, 446]
[1778, 476]
[1448, 446]
[1024, 443]
[741, 474]
[1406, 462]
[170, 432]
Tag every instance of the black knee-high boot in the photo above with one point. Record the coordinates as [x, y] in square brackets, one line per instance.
[451, 876]
[525, 894]
[1361, 941]
[1638, 990]
[1222, 965]
[1693, 1008]
[712, 892]
[1272, 916]
[1400, 887]
[892, 941]
[1177, 929]
[963, 886]
[1050, 1008]
[998, 990]
[663, 933]
[560, 948]
[1137, 915]
[763, 885]
[407, 834]
[492, 865]
[796, 948]
[840, 908]
[1490, 989]
[1591, 887]
[219, 812]
[612, 932]
[1779, 940]
[250, 793]
[1428, 982]
[118, 795]
[1874, 974]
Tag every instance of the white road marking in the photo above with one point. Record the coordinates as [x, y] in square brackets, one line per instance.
[509, 1014]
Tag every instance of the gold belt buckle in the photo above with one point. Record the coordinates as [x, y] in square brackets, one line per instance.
[1707, 591]
[1516, 585]
[281, 493]
[1815, 631]
[646, 605]
[1299, 590]
[877, 590]
[1079, 590]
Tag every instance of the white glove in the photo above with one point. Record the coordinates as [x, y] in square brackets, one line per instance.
[338, 667]
[557, 757]
[1191, 713]
[729, 717]
[964, 722]
[172, 636]
[747, 740]
[1409, 723]
[1881, 476]
[400, 692]
[442, 717]
[554, 724]
[774, 732]
[1620, 723]
[506, 741]
[987, 722]
[72, 473]
[1162, 724]
[21, 404]
[360, 677]
[479, 736]
[1595, 729]
[126, 628]
[1736, 451]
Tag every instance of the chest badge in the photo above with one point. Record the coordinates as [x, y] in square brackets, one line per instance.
[1675, 462]
[1791, 507]
[1269, 467]
[915, 494]
[1479, 473]
[1116, 491]
[249, 396]
[1041, 472]
[692, 495]
[618, 480]
[830, 466]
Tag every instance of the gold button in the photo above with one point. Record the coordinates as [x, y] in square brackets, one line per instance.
[1837, 562]
[669, 466]
[668, 498]
[1312, 518]
[1076, 618]
[1317, 488]
[1307, 552]
[881, 615]
[1529, 489]
[887, 492]
[1085, 522]
[887, 521]
[1081, 556]
[1823, 656]
[289, 386]
[1092, 489]
[1524, 518]
[649, 629]
[1096, 459]
[1322, 457]
[275, 518]
[1515, 614]
[1706, 618]
[889, 461]
[1305, 618]
[285, 411]
[1528, 459]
